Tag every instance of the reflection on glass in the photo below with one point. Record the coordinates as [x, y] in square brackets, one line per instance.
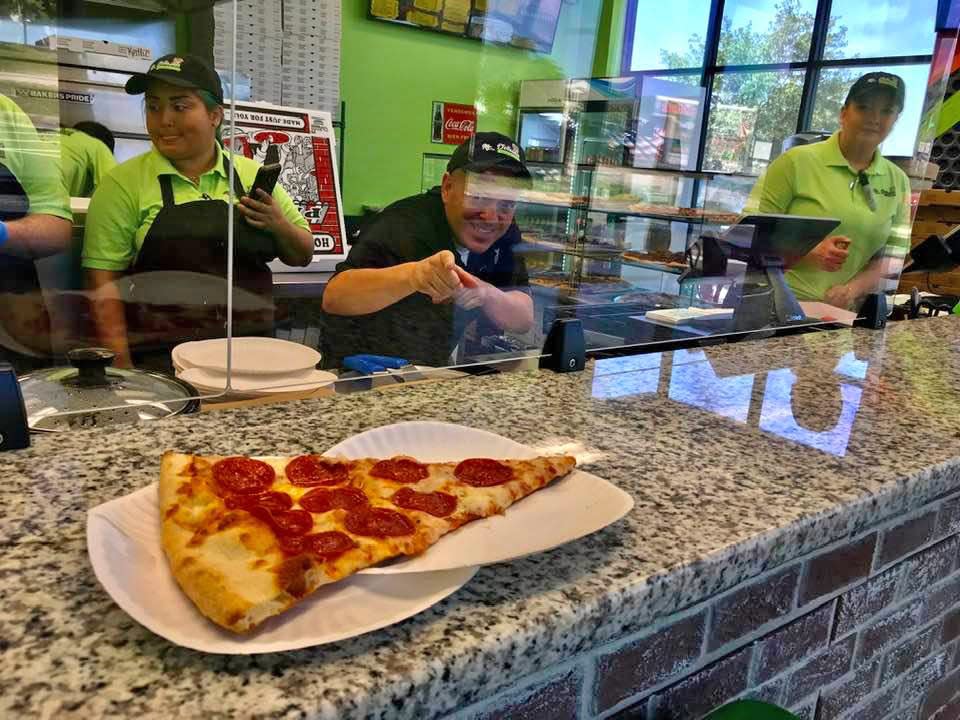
[676, 43]
[824, 421]
[765, 32]
[632, 375]
[880, 28]
[693, 381]
[751, 113]
[832, 87]
[850, 366]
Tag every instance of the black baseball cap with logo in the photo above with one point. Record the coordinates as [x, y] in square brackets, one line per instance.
[489, 151]
[187, 71]
[878, 82]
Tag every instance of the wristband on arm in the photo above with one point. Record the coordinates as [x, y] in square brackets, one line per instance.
[4, 233]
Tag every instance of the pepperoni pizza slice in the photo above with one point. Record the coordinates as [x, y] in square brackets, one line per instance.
[248, 538]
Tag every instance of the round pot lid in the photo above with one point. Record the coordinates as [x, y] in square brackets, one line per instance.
[89, 393]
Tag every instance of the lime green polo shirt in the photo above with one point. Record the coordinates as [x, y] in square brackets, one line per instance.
[128, 200]
[33, 160]
[84, 162]
[817, 181]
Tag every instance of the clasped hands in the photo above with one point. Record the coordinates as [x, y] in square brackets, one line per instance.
[442, 280]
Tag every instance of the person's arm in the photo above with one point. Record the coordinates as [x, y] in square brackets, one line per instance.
[37, 236]
[293, 236]
[108, 250]
[360, 291]
[508, 309]
[885, 265]
[110, 322]
[35, 163]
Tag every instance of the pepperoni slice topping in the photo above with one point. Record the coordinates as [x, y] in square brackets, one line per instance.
[436, 503]
[285, 522]
[378, 522]
[272, 501]
[327, 545]
[481, 472]
[242, 476]
[314, 470]
[320, 500]
[401, 470]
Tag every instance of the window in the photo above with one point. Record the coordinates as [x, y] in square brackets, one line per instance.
[751, 113]
[765, 32]
[880, 28]
[656, 45]
[770, 68]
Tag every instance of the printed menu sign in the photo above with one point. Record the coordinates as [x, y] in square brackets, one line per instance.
[452, 123]
[302, 141]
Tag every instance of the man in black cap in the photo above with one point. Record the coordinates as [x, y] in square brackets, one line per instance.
[428, 265]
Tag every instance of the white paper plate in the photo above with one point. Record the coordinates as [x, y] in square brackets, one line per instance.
[123, 541]
[250, 386]
[566, 510]
[260, 356]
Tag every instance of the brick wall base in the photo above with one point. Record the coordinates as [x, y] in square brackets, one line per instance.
[865, 629]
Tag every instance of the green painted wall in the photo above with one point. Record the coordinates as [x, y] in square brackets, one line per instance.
[613, 18]
[390, 75]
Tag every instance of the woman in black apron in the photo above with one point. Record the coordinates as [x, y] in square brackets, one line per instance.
[192, 237]
[184, 112]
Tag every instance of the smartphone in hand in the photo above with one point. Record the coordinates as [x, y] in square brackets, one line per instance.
[266, 180]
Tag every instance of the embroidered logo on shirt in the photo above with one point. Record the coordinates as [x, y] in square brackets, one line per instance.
[888, 192]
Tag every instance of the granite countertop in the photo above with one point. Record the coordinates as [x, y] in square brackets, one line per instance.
[726, 483]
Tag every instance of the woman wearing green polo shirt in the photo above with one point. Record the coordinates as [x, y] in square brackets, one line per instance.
[846, 177]
[167, 210]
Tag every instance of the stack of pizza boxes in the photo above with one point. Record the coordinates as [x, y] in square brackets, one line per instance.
[259, 47]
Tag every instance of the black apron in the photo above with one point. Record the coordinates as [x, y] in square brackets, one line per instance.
[23, 314]
[192, 237]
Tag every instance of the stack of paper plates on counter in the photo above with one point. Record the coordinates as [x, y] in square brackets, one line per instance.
[259, 366]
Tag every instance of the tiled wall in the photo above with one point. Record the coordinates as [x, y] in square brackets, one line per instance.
[865, 629]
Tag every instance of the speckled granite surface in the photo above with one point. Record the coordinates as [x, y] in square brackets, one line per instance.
[728, 476]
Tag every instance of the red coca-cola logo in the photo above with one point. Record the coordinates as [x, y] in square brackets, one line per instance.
[461, 125]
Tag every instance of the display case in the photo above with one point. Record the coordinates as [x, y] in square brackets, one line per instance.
[611, 226]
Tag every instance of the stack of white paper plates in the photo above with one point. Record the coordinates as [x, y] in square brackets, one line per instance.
[258, 366]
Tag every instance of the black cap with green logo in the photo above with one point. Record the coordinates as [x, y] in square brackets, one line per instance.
[878, 82]
[187, 71]
[489, 151]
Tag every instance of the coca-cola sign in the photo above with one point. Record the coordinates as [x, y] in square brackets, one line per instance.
[452, 123]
